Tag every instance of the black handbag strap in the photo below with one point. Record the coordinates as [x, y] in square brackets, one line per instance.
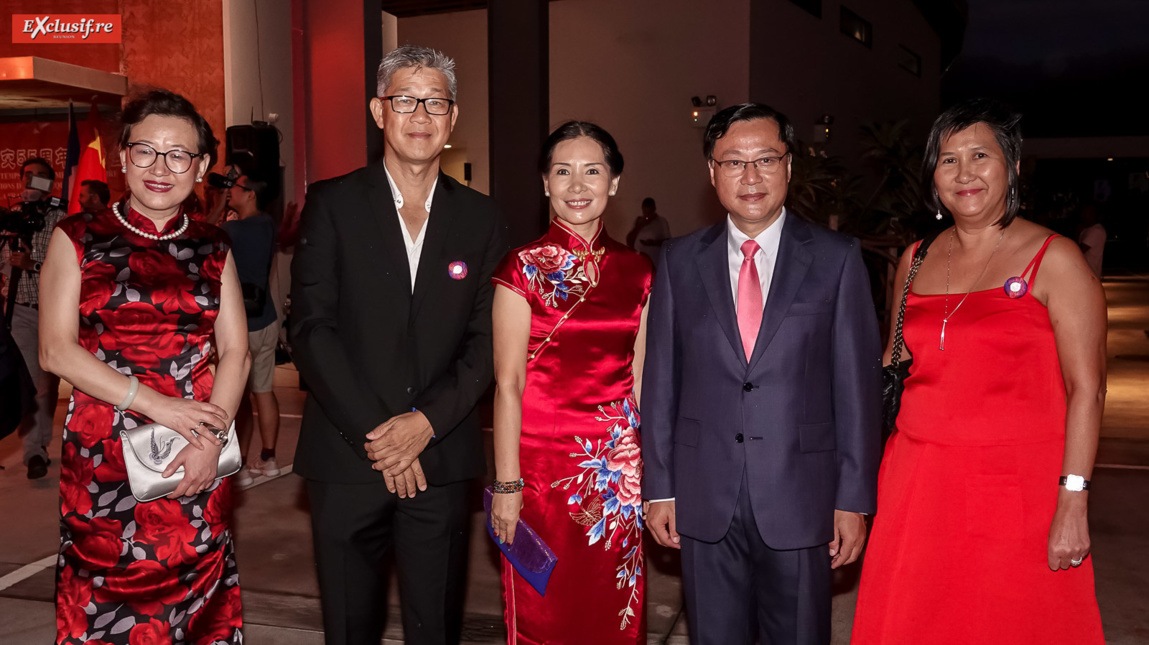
[919, 255]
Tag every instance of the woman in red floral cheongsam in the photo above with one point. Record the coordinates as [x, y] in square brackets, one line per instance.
[154, 291]
[569, 336]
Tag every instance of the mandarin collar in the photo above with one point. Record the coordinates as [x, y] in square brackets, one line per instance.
[145, 223]
[559, 232]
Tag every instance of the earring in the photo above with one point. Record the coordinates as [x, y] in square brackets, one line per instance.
[547, 193]
[124, 169]
[199, 180]
[939, 215]
[612, 193]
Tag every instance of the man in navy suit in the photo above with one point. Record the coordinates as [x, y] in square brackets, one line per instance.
[760, 426]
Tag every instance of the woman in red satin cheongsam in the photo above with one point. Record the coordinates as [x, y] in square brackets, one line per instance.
[569, 332]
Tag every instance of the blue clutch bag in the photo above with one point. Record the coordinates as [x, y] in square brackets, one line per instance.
[529, 555]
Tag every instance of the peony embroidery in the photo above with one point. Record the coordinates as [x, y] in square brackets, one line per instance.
[608, 493]
[550, 270]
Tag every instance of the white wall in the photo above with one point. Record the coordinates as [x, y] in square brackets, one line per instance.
[463, 36]
[805, 67]
[631, 66]
[244, 64]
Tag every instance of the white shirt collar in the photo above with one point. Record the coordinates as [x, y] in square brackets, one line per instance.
[768, 240]
[398, 196]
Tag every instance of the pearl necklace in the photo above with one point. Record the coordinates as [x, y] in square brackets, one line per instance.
[159, 238]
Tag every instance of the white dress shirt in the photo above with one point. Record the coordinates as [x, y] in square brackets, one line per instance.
[415, 247]
[768, 242]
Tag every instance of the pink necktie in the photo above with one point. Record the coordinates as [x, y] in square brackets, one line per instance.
[749, 298]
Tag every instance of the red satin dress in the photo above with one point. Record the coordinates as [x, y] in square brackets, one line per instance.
[968, 486]
[132, 572]
[579, 451]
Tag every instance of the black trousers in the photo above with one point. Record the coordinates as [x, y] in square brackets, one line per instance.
[354, 526]
[740, 591]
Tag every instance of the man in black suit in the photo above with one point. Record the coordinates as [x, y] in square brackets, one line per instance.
[391, 326]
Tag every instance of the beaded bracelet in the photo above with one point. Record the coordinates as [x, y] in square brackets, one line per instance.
[508, 487]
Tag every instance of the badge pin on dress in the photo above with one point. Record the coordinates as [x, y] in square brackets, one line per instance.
[1016, 287]
[457, 270]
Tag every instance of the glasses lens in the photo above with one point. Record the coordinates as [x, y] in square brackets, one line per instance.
[143, 156]
[733, 167]
[437, 107]
[403, 104]
[178, 161]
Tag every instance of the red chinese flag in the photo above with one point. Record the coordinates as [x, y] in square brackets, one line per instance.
[91, 167]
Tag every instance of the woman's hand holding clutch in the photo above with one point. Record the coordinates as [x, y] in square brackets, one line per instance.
[505, 509]
[199, 469]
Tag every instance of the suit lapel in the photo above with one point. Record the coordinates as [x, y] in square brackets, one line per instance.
[794, 259]
[713, 265]
[393, 251]
[432, 267]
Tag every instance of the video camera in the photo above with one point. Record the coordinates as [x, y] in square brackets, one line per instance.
[223, 182]
[27, 219]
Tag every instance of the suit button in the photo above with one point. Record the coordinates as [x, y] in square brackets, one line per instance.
[738, 437]
[746, 387]
[410, 390]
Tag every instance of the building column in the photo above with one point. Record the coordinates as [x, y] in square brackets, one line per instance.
[519, 99]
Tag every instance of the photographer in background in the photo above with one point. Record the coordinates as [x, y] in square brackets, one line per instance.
[24, 250]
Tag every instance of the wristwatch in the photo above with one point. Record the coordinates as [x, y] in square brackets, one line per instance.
[1075, 483]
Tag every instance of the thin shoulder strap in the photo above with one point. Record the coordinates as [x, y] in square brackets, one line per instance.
[899, 342]
[1035, 263]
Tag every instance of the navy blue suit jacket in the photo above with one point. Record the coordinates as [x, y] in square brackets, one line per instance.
[800, 418]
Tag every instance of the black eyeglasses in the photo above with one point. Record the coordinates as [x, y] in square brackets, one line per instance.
[408, 104]
[144, 156]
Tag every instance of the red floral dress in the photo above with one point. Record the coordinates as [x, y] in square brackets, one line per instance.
[579, 450]
[163, 571]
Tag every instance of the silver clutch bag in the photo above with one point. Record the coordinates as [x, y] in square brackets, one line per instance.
[148, 449]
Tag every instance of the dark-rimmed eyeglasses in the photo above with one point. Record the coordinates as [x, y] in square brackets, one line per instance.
[736, 167]
[144, 156]
[403, 104]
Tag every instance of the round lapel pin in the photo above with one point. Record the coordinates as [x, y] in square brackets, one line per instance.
[1016, 287]
[457, 270]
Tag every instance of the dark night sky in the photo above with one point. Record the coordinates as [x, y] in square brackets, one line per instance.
[1073, 67]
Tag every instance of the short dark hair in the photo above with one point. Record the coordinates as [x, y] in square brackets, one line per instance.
[99, 188]
[38, 160]
[257, 186]
[167, 103]
[1005, 123]
[721, 122]
[649, 201]
[575, 129]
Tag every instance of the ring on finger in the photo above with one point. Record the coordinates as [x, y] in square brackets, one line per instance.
[1077, 562]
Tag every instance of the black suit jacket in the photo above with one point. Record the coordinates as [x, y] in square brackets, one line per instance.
[368, 348]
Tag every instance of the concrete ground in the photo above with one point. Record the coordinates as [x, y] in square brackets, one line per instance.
[273, 539]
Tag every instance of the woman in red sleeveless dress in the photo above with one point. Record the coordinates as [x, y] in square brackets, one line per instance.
[975, 540]
[133, 300]
[569, 339]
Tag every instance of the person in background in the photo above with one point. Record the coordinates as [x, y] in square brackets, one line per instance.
[94, 196]
[134, 296]
[36, 427]
[982, 534]
[649, 232]
[253, 237]
[569, 341]
[1091, 238]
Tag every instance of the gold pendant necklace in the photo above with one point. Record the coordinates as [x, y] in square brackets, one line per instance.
[949, 255]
